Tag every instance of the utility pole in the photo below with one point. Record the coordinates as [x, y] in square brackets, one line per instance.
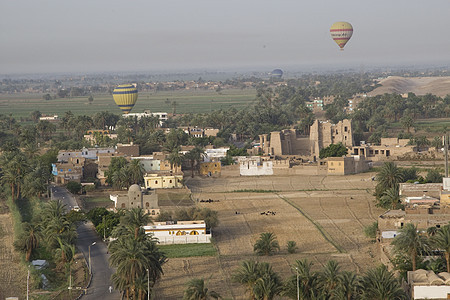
[148, 284]
[28, 282]
[446, 136]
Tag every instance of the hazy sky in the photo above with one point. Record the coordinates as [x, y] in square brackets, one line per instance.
[147, 35]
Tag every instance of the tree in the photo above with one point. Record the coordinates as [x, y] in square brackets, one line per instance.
[194, 157]
[380, 284]
[35, 115]
[307, 283]
[407, 122]
[259, 278]
[348, 287]
[388, 177]
[134, 256]
[292, 247]
[136, 172]
[29, 241]
[334, 150]
[91, 99]
[74, 187]
[434, 176]
[390, 198]
[196, 290]
[441, 241]
[267, 244]
[136, 218]
[329, 277]
[410, 241]
[175, 158]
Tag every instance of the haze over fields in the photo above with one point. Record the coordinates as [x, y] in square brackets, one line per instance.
[103, 36]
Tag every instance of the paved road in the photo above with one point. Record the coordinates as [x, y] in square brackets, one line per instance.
[101, 272]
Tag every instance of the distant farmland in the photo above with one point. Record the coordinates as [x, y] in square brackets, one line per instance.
[187, 101]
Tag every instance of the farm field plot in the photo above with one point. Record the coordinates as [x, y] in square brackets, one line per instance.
[187, 101]
[13, 276]
[324, 215]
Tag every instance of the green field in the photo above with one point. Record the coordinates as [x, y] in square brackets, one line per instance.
[188, 250]
[187, 101]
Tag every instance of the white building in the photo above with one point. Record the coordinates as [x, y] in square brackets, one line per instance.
[181, 232]
[255, 167]
[162, 116]
[88, 153]
[425, 284]
[215, 154]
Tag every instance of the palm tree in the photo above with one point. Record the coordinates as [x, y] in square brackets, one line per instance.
[194, 157]
[267, 244]
[268, 285]
[348, 286]
[132, 258]
[136, 218]
[431, 231]
[441, 240]
[329, 277]
[389, 175]
[247, 275]
[409, 240]
[307, 283]
[175, 158]
[197, 290]
[390, 198]
[380, 284]
[32, 237]
[136, 172]
[130, 261]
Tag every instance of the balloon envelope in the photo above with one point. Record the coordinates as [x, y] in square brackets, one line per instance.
[341, 32]
[277, 73]
[125, 96]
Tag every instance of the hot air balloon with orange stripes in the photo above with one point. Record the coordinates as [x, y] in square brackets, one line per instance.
[125, 96]
[341, 32]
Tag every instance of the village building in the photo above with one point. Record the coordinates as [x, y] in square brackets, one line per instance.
[389, 148]
[179, 232]
[130, 149]
[162, 116]
[210, 168]
[103, 161]
[70, 170]
[137, 198]
[426, 284]
[347, 165]
[255, 166]
[215, 154]
[163, 181]
[92, 135]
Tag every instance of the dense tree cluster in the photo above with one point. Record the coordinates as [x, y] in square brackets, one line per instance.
[135, 256]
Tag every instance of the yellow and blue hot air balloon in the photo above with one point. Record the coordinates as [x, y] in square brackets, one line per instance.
[125, 96]
[341, 32]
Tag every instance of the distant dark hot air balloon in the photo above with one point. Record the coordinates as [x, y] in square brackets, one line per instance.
[341, 32]
[125, 96]
[278, 73]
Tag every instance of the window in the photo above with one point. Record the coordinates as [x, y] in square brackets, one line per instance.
[153, 212]
[147, 204]
[156, 181]
[170, 181]
[345, 128]
[123, 205]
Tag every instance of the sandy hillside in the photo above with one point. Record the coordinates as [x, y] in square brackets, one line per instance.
[439, 86]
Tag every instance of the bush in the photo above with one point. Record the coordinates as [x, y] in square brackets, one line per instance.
[371, 230]
[74, 187]
[291, 247]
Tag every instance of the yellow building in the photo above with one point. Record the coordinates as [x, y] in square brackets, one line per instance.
[210, 168]
[347, 165]
[157, 181]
